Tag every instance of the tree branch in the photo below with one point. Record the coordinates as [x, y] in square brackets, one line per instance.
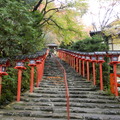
[69, 29]
[36, 6]
[47, 19]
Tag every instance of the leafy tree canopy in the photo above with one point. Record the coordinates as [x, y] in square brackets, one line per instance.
[19, 33]
[90, 44]
[61, 18]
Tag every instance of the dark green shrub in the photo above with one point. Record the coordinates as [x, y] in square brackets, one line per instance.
[96, 43]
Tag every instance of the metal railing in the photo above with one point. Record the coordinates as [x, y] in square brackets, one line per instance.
[66, 87]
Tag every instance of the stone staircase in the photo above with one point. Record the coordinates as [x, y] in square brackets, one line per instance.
[48, 101]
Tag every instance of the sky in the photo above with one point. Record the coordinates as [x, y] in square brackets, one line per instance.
[93, 10]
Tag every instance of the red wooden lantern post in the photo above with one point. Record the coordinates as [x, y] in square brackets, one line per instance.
[93, 60]
[83, 64]
[20, 67]
[76, 62]
[72, 60]
[114, 61]
[79, 58]
[88, 69]
[69, 57]
[100, 60]
[3, 63]
[38, 65]
[32, 64]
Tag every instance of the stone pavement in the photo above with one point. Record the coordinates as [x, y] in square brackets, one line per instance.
[48, 101]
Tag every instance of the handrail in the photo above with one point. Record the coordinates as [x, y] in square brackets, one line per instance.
[66, 87]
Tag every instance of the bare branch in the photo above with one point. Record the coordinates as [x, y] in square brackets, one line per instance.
[51, 1]
[36, 6]
[44, 9]
[57, 9]
[47, 19]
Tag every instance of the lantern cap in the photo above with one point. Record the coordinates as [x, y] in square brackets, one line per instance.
[33, 56]
[91, 53]
[4, 61]
[112, 52]
[21, 57]
[100, 53]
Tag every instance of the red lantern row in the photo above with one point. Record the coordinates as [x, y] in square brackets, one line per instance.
[77, 61]
[34, 60]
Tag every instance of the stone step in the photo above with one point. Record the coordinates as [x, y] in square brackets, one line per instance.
[42, 104]
[34, 95]
[49, 92]
[88, 100]
[52, 86]
[88, 92]
[27, 113]
[82, 100]
[29, 118]
[62, 90]
[34, 108]
[87, 116]
[47, 95]
[95, 105]
[75, 113]
[44, 99]
[72, 104]
[72, 110]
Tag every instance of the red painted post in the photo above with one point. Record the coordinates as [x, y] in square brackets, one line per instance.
[88, 71]
[114, 61]
[100, 60]
[20, 67]
[68, 58]
[83, 68]
[74, 61]
[94, 73]
[115, 78]
[101, 76]
[0, 85]
[3, 72]
[40, 71]
[88, 59]
[38, 65]
[32, 64]
[43, 67]
[83, 64]
[37, 81]
[77, 65]
[19, 84]
[32, 79]
[80, 66]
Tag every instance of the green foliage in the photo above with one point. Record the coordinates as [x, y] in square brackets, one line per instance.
[90, 44]
[19, 33]
[68, 26]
